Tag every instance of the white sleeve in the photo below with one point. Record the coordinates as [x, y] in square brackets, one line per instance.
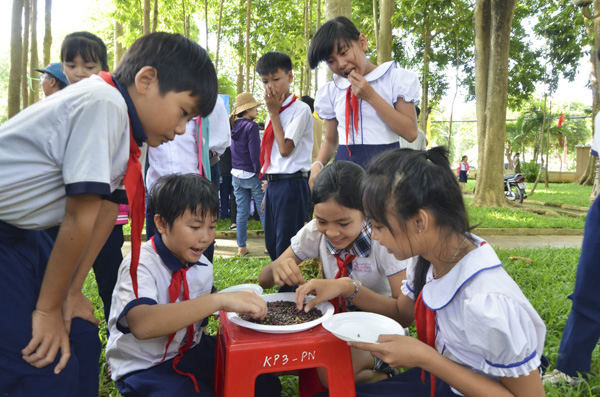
[386, 262]
[405, 85]
[324, 102]
[408, 284]
[305, 243]
[220, 132]
[504, 331]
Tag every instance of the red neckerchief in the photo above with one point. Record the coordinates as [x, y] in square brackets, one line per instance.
[352, 109]
[136, 195]
[425, 322]
[267, 143]
[342, 272]
[178, 280]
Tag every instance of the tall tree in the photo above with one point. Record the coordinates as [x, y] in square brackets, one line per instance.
[338, 8]
[384, 36]
[25, 54]
[248, 19]
[118, 47]
[155, 16]
[492, 23]
[47, 31]
[16, 49]
[218, 35]
[206, 22]
[34, 63]
[147, 8]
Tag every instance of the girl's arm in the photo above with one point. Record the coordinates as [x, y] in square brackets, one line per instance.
[153, 321]
[402, 118]
[407, 352]
[329, 146]
[283, 271]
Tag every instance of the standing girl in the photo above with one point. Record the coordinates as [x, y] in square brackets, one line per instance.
[463, 172]
[245, 164]
[355, 268]
[477, 333]
[366, 107]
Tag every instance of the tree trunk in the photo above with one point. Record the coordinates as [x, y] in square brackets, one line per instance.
[492, 22]
[307, 22]
[425, 108]
[155, 16]
[240, 76]
[248, 20]
[16, 49]
[119, 50]
[219, 36]
[375, 24]
[35, 62]
[206, 22]
[186, 20]
[384, 41]
[338, 8]
[147, 7]
[47, 32]
[318, 25]
[25, 54]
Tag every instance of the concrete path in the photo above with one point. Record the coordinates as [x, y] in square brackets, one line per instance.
[227, 247]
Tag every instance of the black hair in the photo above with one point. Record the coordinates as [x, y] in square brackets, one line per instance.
[181, 64]
[171, 195]
[89, 46]
[406, 181]
[59, 82]
[463, 157]
[272, 61]
[261, 125]
[418, 110]
[340, 181]
[331, 34]
[309, 101]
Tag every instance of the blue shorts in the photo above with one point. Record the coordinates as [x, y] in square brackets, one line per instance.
[362, 154]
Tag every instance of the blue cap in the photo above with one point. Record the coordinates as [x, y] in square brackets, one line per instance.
[55, 69]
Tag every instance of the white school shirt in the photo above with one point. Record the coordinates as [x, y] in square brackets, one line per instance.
[297, 125]
[75, 141]
[390, 81]
[124, 352]
[180, 156]
[372, 270]
[418, 144]
[596, 141]
[483, 320]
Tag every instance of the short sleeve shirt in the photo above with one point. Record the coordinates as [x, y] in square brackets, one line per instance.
[388, 80]
[74, 142]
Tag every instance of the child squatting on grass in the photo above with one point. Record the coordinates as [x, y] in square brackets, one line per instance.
[477, 333]
[157, 346]
[95, 128]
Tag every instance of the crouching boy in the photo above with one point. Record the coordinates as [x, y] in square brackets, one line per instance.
[157, 346]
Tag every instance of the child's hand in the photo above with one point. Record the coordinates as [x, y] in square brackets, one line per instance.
[398, 351]
[287, 272]
[78, 305]
[48, 336]
[273, 100]
[360, 86]
[324, 290]
[244, 302]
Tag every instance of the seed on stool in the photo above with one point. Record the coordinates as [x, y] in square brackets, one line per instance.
[284, 313]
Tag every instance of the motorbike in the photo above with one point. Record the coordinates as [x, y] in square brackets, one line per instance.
[514, 187]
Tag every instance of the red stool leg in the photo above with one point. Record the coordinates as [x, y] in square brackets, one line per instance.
[309, 383]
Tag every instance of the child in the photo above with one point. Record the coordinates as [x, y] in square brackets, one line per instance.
[477, 333]
[79, 143]
[463, 172]
[157, 346]
[245, 163]
[53, 79]
[366, 107]
[354, 266]
[83, 54]
[284, 153]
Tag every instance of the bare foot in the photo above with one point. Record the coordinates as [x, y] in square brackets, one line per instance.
[243, 251]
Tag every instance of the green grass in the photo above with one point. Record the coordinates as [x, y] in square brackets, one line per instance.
[562, 193]
[546, 281]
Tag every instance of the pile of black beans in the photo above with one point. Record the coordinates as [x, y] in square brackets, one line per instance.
[284, 313]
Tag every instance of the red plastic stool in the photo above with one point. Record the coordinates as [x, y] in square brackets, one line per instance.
[243, 354]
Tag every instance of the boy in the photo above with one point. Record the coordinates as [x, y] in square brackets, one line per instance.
[63, 173]
[284, 154]
[53, 79]
[157, 346]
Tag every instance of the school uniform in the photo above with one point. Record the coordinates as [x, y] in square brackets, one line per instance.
[287, 194]
[463, 169]
[582, 330]
[373, 135]
[372, 264]
[74, 142]
[482, 322]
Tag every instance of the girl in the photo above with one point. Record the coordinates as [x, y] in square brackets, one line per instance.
[478, 333]
[463, 173]
[245, 163]
[354, 266]
[366, 107]
[83, 54]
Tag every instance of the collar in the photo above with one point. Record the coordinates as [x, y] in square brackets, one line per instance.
[360, 247]
[134, 120]
[288, 99]
[167, 257]
[343, 83]
[439, 293]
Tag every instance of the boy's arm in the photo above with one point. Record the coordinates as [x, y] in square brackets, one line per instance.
[48, 330]
[329, 146]
[266, 278]
[402, 118]
[153, 321]
[274, 102]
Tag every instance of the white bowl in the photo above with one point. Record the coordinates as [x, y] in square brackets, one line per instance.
[361, 326]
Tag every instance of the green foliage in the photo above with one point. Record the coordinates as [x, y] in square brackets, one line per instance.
[530, 170]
